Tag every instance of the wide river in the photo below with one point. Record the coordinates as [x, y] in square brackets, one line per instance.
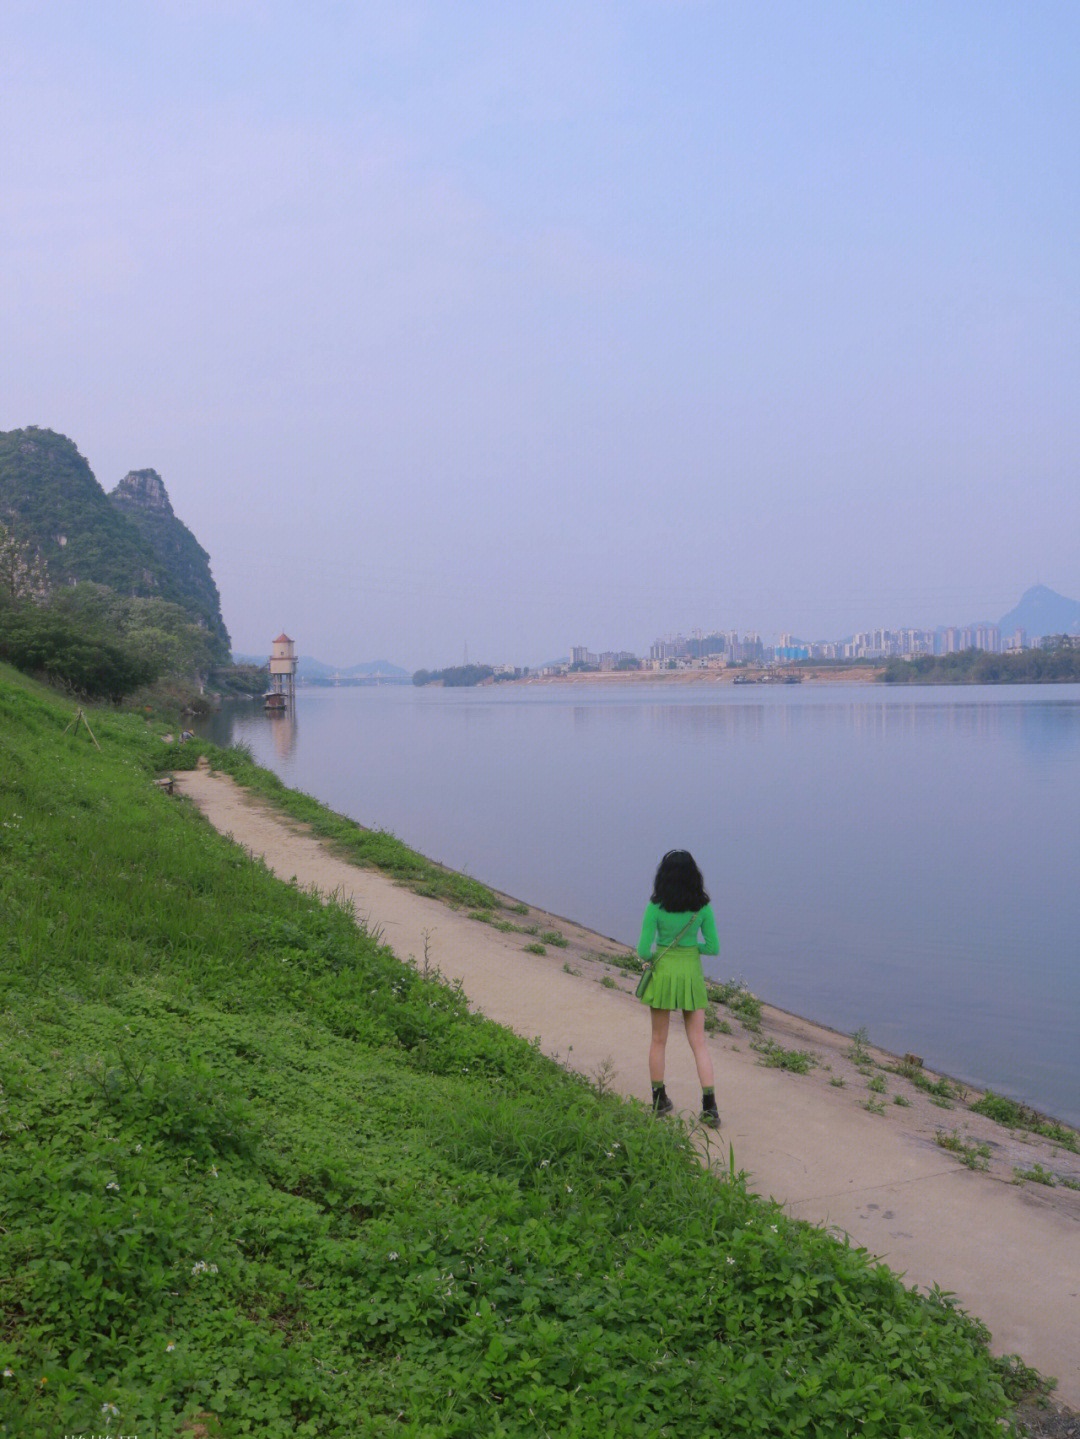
[904, 860]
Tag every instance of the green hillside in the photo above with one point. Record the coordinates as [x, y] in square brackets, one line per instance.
[54, 510]
[141, 498]
[49, 498]
[260, 1177]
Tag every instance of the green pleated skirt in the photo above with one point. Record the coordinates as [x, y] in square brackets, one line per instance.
[677, 982]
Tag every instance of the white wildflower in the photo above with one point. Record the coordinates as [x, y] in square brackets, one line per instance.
[9, 1373]
[108, 1408]
[393, 1254]
[213, 1171]
[170, 1347]
[544, 1163]
[729, 1260]
[112, 1184]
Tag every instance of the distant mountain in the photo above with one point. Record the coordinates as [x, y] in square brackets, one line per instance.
[1043, 612]
[316, 670]
[54, 510]
[382, 668]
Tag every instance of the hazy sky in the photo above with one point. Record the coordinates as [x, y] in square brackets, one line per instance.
[531, 325]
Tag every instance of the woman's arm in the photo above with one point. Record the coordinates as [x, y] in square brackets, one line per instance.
[708, 931]
[648, 930]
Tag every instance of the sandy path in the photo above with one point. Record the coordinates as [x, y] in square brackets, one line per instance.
[1011, 1253]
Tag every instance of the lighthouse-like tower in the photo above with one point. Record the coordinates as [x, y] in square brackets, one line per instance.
[283, 662]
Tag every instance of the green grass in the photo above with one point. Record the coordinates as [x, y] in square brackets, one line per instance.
[745, 1006]
[943, 1092]
[1020, 1116]
[857, 1052]
[975, 1156]
[775, 1056]
[714, 1024]
[254, 1167]
[1036, 1174]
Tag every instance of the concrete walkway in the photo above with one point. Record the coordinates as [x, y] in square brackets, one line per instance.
[1011, 1253]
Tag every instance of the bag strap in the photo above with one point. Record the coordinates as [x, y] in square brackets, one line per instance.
[690, 922]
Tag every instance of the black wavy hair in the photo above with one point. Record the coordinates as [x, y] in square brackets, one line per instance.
[678, 885]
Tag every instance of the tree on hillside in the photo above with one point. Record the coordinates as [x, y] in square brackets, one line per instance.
[41, 642]
[157, 632]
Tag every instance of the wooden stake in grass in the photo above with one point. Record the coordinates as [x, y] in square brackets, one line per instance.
[80, 716]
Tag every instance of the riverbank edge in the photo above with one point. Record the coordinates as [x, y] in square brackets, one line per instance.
[925, 1099]
[589, 956]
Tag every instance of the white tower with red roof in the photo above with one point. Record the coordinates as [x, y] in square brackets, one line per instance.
[283, 662]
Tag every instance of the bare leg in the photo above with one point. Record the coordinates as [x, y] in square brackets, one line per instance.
[694, 1022]
[661, 1020]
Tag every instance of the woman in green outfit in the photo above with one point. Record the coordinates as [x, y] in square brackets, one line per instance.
[677, 913]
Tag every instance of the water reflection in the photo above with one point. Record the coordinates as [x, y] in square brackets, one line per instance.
[873, 714]
[283, 727]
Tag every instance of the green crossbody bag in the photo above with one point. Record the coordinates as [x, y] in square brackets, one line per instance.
[650, 965]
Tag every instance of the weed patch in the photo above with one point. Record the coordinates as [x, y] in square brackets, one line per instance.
[735, 996]
[1020, 1116]
[1038, 1175]
[975, 1156]
[775, 1056]
[943, 1092]
[857, 1051]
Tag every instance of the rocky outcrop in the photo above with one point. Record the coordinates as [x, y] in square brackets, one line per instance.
[24, 575]
[143, 490]
[142, 499]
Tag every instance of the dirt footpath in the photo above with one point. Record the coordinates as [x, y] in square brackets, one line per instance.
[1010, 1252]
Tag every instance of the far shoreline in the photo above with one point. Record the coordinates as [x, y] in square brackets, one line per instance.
[767, 678]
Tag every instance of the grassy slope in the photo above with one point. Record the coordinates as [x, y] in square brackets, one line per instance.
[254, 1168]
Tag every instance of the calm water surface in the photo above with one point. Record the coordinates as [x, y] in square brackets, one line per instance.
[904, 860]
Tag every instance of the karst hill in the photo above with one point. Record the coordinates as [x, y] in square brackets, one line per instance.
[59, 527]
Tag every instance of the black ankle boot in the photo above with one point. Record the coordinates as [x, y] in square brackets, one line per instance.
[710, 1115]
[661, 1104]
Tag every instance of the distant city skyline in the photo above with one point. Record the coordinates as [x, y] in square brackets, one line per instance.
[878, 641]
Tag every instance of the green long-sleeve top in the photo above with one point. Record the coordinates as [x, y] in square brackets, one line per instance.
[658, 924]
